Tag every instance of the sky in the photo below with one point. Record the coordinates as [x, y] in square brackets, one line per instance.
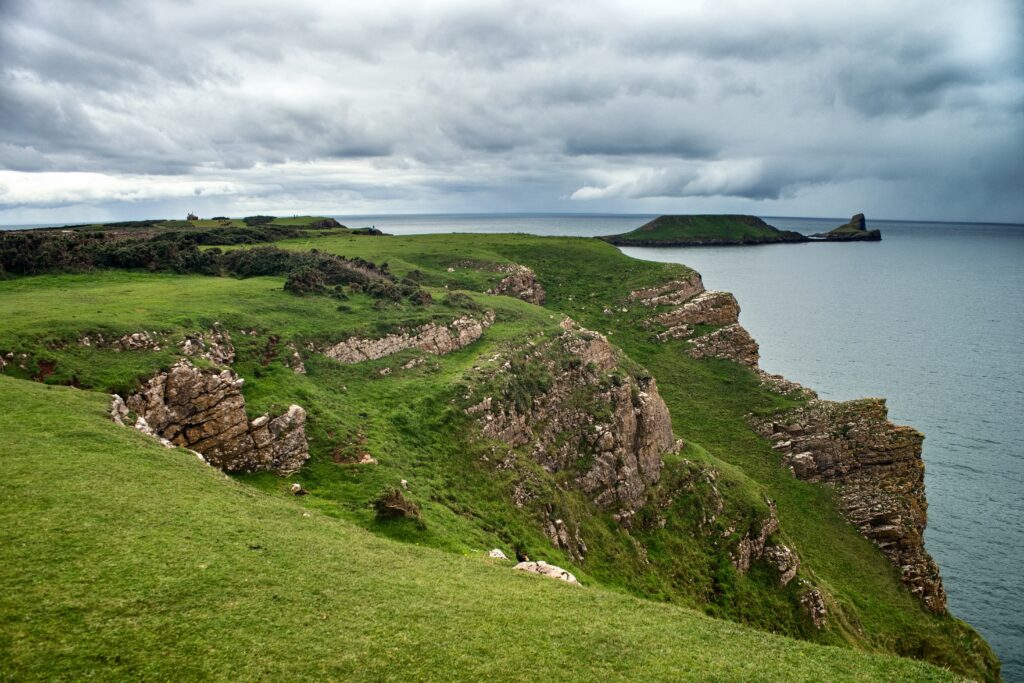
[899, 109]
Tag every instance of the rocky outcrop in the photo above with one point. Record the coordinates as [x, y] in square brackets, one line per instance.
[877, 470]
[706, 308]
[215, 346]
[544, 569]
[565, 539]
[593, 418]
[813, 603]
[732, 342]
[135, 341]
[521, 283]
[854, 231]
[432, 338]
[671, 293]
[755, 546]
[204, 411]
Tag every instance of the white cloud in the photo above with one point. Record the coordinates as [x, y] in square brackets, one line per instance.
[455, 105]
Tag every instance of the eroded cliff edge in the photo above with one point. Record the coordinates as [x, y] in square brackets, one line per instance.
[875, 465]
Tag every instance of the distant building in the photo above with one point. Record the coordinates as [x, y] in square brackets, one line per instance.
[192, 217]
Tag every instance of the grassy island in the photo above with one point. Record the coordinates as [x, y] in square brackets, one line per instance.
[443, 396]
[704, 230]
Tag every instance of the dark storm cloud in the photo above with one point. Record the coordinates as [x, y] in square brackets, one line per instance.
[458, 105]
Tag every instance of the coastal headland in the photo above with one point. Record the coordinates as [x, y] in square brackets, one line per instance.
[299, 448]
[731, 230]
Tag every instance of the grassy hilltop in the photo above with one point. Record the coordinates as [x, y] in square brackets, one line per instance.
[704, 230]
[122, 558]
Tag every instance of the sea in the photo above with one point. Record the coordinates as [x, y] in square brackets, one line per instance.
[931, 317]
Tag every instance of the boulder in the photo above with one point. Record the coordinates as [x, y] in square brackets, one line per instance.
[544, 569]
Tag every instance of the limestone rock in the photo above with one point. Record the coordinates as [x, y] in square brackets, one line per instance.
[215, 346]
[751, 547]
[784, 560]
[626, 446]
[432, 338]
[671, 293]
[521, 283]
[496, 554]
[732, 342]
[877, 470]
[545, 569]
[707, 308]
[681, 331]
[813, 603]
[205, 411]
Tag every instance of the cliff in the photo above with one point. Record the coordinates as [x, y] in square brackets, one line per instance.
[587, 405]
[875, 465]
[877, 469]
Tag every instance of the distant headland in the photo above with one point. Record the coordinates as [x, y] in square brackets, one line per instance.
[731, 229]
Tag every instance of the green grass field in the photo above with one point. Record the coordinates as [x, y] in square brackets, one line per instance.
[122, 559]
[411, 421]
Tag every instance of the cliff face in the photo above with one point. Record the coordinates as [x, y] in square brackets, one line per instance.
[875, 465]
[877, 470]
[205, 412]
[588, 407]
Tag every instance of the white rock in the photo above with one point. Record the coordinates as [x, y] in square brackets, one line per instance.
[545, 569]
[497, 555]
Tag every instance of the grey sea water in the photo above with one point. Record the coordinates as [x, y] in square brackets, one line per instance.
[931, 317]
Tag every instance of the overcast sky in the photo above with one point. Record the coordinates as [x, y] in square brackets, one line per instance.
[911, 110]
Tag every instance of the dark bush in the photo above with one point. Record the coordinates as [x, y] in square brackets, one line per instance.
[392, 504]
[305, 281]
[258, 220]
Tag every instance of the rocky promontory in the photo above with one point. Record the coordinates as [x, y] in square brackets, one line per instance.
[875, 466]
[854, 231]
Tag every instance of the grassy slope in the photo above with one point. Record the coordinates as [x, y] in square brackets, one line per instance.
[409, 429]
[697, 228]
[709, 401]
[122, 559]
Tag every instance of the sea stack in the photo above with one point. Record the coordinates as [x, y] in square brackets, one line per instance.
[854, 231]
